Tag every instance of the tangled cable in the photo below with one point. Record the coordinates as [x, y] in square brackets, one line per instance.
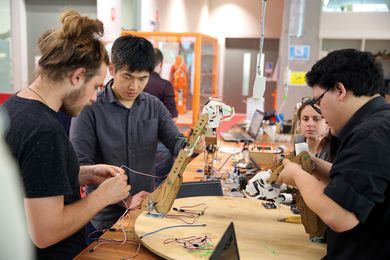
[188, 212]
[116, 241]
[192, 243]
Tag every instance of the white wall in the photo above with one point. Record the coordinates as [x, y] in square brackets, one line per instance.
[241, 18]
[109, 12]
[228, 19]
[148, 15]
[218, 18]
[175, 15]
[348, 25]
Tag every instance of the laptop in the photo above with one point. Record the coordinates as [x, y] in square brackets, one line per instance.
[250, 135]
[227, 247]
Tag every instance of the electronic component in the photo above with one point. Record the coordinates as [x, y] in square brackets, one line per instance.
[258, 186]
[269, 205]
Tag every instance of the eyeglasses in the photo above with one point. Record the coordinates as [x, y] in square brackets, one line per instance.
[314, 102]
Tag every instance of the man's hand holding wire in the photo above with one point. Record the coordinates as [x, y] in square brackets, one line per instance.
[114, 189]
[96, 174]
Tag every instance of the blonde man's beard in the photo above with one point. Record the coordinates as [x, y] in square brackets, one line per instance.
[71, 105]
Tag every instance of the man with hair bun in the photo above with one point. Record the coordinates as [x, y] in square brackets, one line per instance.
[72, 66]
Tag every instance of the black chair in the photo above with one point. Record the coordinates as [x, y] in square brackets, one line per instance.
[200, 188]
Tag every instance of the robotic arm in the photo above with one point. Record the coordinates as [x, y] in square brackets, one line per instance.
[263, 185]
[160, 201]
[217, 112]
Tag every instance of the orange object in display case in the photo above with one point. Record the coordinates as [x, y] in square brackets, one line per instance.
[179, 78]
[190, 63]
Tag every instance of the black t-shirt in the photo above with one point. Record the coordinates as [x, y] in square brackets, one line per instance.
[47, 161]
[360, 184]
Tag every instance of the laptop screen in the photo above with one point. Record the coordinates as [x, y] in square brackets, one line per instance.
[227, 247]
[255, 124]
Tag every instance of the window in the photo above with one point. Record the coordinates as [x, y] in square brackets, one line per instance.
[356, 5]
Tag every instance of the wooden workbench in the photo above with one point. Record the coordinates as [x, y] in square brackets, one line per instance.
[112, 251]
[193, 172]
[259, 233]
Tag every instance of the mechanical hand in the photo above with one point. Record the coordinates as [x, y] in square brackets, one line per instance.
[312, 223]
[259, 188]
[302, 159]
[264, 184]
[217, 112]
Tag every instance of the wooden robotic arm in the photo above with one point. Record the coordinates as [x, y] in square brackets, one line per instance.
[312, 223]
[160, 201]
[263, 184]
[302, 159]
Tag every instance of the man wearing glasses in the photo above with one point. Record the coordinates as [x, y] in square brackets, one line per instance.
[352, 195]
[315, 102]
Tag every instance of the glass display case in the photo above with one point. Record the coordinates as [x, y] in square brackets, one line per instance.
[190, 63]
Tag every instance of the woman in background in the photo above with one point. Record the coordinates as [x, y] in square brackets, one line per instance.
[314, 131]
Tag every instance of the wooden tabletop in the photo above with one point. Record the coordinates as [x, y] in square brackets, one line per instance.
[193, 172]
[259, 233]
[114, 251]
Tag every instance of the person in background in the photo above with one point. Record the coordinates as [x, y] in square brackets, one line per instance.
[73, 64]
[162, 89]
[314, 131]
[124, 126]
[352, 195]
[12, 218]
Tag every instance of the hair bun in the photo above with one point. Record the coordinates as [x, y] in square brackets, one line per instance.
[76, 26]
